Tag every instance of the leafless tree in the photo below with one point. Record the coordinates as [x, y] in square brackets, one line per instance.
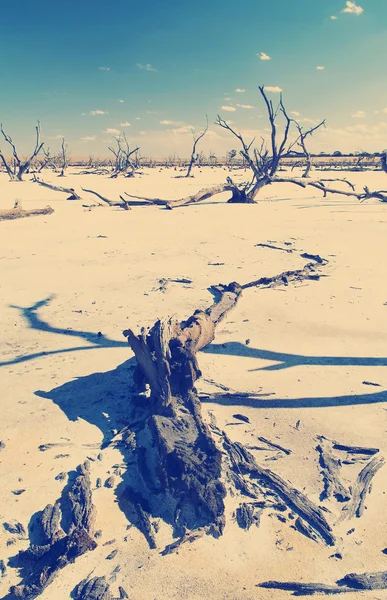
[302, 144]
[20, 165]
[47, 161]
[196, 140]
[63, 158]
[264, 160]
[123, 163]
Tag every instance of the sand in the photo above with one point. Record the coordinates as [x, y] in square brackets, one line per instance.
[72, 281]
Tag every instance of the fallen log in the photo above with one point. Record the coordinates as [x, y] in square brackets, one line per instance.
[73, 194]
[352, 582]
[17, 212]
[238, 196]
[187, 465]
[243, 462]
[58, 548]
[122, 202]
[275, 446]
[174, 459]
[331, 466]
[96, 588]
[356, 506]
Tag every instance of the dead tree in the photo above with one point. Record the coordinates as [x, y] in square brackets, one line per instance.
[124, 164]
[196, 140]
[47, 161]
[63, 158]
[301, 143]
[20, 166]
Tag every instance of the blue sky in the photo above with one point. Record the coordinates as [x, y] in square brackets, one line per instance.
[89, 69]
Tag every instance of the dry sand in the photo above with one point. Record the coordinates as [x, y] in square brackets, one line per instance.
[68, 276]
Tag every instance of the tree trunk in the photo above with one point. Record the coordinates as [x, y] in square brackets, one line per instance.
[182, 459]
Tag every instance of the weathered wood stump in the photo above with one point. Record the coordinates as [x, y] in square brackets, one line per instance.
[180, 455]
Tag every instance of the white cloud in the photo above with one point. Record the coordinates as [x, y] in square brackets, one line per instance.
[126, 124]
[320, 68]
[273, 88]
[88, 138]
[248, 106]
[113, 131]
[384, 110]
[359, 114]
[228, 99]
[182, 130]
[104, 68]
[240, 91]
[147, 67]
[138, 118]
[352, 8]
[264, 56]
[334, 18]
[151, 112]
[295, 113]
[122, 101]
[98, 112]
[143, 132]
[166, 122]
[229, 108]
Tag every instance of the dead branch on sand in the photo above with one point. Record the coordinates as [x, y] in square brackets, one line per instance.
[17, 212]
[57, 548]
[121, 202]
[57, 188]
[353, 582]
[183, 462]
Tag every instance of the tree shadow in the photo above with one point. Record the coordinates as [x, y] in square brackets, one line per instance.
[286, 361]
[34, 321]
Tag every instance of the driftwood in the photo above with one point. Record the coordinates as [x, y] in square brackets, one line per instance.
[175, 465]
[187, 537]
[96, 588]
[330, 471]
[242, 463]
[72, 193]
[355, 449]
[352, 582]
[275, 446]
[362, 487]
[59, 548]
[17, 212]
[121, 202]
[187, 465]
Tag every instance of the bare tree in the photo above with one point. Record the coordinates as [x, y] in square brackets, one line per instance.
[122, 155]
[20, 166]
[301, 143]
[47, 161]
[63, 158]
[196, 140]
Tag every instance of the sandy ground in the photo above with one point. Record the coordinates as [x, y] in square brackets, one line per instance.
[68, 276]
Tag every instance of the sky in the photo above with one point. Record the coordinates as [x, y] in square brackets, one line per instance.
[91, 69]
